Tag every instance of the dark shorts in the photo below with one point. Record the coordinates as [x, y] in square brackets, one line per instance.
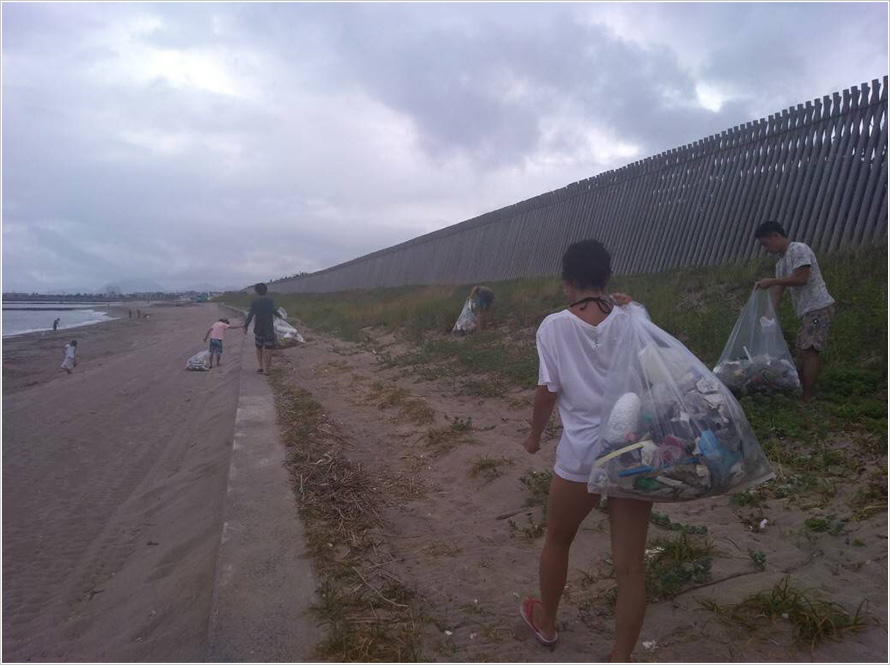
[265, 341]
[216, 346]
[814, 326]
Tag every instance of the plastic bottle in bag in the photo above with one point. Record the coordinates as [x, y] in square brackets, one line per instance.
[756, 358]
[671, 431]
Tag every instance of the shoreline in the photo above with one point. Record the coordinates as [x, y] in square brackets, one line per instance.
[39, 331]
[115, 313]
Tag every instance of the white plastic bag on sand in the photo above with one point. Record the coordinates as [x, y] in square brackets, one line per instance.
[671, 431]
[200, 362]
[756, 358]
[466, 322]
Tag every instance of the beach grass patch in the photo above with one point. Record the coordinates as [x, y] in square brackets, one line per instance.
[814, 619]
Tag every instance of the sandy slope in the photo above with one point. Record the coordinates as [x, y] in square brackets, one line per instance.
[454, 546]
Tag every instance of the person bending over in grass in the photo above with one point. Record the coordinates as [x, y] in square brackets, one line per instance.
[798, 269]
[217, 334]
[265, 341]
[575, 351]
[482, 298]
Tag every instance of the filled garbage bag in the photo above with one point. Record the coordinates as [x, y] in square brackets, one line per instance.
[466, 322]
[287, 335]
[200, 362]
[756, 358]
[670, 430]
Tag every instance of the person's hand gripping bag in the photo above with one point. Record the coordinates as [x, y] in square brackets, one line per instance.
[670, 430]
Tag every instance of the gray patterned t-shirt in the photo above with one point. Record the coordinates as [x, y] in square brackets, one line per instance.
[812, 295]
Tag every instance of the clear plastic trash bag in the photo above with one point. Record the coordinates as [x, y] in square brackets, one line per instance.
[756, 358]
[200, 362]
[466, 322]
[671, 431]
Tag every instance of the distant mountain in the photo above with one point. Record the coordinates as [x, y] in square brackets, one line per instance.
[126, 286]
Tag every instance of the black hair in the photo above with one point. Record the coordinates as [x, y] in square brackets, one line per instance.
[261, 289]
[224, 320]
[587, 265]
[73, 342]
[768, 228]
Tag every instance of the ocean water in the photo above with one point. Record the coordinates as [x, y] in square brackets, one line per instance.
[23, 317]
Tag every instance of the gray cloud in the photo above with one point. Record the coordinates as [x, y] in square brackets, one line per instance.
[188, 143]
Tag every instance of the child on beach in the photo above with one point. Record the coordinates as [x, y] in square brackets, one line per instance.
[217, 333]
[70, 362]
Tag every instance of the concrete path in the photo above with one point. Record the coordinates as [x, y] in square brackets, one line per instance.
[264, 581]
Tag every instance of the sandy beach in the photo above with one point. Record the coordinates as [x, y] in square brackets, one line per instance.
[114, 482]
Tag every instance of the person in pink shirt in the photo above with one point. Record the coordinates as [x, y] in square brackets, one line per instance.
[216, 334]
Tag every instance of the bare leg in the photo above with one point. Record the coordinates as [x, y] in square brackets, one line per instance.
[259, 358]
[629, 522]
[267, 360]
[810, 363]
[568, 505]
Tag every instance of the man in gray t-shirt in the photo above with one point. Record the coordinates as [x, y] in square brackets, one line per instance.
[798, 269]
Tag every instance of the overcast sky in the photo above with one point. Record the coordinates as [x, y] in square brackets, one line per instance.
[230, 143]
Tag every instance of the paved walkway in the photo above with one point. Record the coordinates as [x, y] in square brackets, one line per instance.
[264, 582]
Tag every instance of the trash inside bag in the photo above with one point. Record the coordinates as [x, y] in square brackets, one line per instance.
[200, 362]
[671, 431]
[287, 335]
[466, 322]
[756, 358]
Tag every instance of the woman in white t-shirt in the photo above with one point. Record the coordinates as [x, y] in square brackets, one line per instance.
[575, 349]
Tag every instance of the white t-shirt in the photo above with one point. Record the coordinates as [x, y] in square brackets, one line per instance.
[70, 351]
[812, 295]
[574, 359]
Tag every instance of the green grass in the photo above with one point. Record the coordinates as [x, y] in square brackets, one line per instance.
[664, 521]
[676, 564]
[829, 524]
[758, 558]
[537, 484]
[699, 306]
[814, 619]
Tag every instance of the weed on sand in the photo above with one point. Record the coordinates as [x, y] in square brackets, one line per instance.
[390, 396]
[489, 468]
[369, 616]
[813, 619]
[677, 564]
